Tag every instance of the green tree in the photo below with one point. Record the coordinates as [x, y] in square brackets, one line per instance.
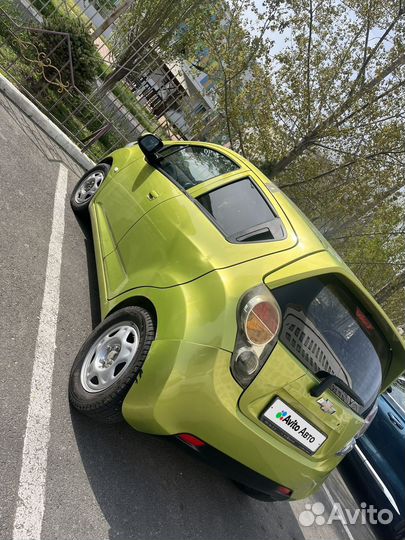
[323, 115]
[148, 32]
[82, 56]
[221, 44]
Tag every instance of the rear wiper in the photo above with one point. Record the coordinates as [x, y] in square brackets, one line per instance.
[328, 380]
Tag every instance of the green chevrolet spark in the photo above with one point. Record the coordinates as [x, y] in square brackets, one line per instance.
[228, 321]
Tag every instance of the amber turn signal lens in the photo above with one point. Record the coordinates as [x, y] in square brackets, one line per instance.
[262, 323]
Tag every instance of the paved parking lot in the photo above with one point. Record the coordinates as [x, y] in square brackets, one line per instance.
[99, 481]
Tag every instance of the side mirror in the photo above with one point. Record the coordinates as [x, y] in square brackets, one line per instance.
[389, 389]
[150, 144]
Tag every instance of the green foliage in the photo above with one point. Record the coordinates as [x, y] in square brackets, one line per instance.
[322, 114]
[150, 31]
[45, 7]
[124, 94]
[105, 5]
[84, 56]
[10, 8]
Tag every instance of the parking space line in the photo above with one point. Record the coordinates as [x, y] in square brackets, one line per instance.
[342, 519]
[31, 489]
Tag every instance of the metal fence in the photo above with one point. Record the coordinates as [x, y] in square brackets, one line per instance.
[134, 88]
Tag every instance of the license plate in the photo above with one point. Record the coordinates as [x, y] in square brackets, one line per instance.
[286, 422]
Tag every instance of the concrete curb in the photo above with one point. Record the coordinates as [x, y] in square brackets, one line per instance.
[42, 121]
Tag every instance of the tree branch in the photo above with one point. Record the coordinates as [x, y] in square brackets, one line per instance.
[309, 139]
[338, 167]
[311, 17]
[368, 103]
[361, 73]
[393, 285]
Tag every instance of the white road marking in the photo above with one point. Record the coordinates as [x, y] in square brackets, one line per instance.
[31, 489]
[342, 519]
[324, 531]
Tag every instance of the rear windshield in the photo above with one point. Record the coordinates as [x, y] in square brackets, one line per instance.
[328, 330]
[242, 213]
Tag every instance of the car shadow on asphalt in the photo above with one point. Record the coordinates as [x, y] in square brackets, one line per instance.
[150, 487]
[85, 226]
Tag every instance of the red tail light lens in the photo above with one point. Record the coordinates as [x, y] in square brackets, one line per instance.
[191, 440]
[284, 491]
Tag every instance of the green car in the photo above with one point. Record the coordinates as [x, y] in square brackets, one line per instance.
[228, 321]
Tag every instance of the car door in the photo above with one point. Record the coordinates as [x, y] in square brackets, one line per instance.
[384, 441]
[128, 196]
[383, 445]
[140, 244]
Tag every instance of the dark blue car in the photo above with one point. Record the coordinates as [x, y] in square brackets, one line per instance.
[375, 468]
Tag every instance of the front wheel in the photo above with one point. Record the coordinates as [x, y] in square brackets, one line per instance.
[109, 362]
[87, 187]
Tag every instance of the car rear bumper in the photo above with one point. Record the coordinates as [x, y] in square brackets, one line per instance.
[188, 388]
[263, 488]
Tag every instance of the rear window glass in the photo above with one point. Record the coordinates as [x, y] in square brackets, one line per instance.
[242, 213]
[191, 165]
[327, 330]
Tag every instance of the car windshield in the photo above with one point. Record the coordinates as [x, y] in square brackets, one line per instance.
[191, 165]
[328, 330]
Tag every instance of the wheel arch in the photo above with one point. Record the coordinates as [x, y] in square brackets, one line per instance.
[107, 160]
[139, 301]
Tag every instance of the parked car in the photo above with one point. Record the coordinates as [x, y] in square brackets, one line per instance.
[376, 466]
[228, 320]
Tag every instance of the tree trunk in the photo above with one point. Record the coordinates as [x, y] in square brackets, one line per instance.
[295, 153]
[128, 64]
[111, 19]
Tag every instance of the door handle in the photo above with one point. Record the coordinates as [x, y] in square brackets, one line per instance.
[395, 421]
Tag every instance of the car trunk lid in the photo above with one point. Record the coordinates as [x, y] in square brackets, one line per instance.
[284, 381]
[325, 330]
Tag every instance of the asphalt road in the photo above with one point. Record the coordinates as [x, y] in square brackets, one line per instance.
[101, 481]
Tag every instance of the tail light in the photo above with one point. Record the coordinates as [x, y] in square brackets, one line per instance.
[191, 440]
[259, 321]
[287, 492]
[369, 418]
[350, 445]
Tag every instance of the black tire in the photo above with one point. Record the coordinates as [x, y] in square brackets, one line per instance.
[105, 405]
[81, 207]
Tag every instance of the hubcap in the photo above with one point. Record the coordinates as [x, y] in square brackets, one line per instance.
[88, 187]
[109, 357]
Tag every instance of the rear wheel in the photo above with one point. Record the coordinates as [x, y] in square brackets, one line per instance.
[109, 362]
[87, 187]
